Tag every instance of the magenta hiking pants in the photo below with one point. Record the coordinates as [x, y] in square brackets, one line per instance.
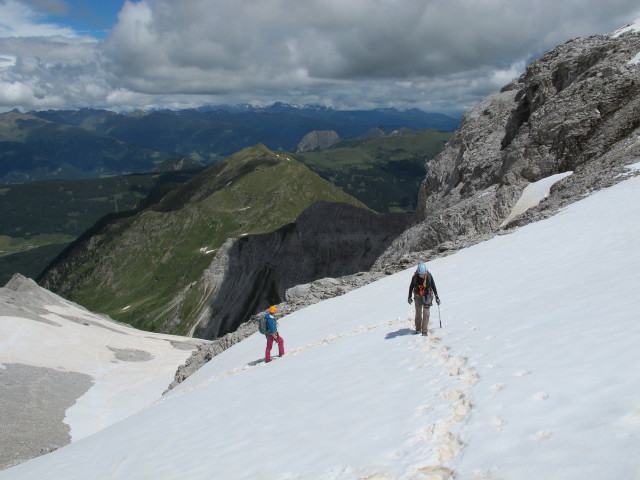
[267, 353]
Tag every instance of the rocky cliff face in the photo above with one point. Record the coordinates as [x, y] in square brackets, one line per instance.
[576, 109]
[317, 139]
[327, 240]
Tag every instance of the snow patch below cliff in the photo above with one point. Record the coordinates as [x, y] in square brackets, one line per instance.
[533, 194]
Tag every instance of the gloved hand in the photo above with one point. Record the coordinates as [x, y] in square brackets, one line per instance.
[437, 299]
[410, 300]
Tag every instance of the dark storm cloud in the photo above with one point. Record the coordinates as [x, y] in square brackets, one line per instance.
[430, 54]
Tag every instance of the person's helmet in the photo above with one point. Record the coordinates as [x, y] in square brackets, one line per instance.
[422, 269]
[272, 309]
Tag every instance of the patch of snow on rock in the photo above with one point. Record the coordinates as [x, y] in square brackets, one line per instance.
[533, 194]
[632, 27]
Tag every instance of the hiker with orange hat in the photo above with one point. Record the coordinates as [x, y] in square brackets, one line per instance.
[272, 334]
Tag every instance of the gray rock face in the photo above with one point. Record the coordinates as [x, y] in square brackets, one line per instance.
[327, 240]
[577, 108]
[317, 139]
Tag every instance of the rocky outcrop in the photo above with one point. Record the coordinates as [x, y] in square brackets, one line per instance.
[327, 240]
[317, 139]
[577, 109]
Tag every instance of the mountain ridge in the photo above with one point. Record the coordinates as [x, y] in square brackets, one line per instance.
[207, 135]
[146, 268]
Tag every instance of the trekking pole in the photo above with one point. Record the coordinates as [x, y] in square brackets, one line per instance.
[439, 316]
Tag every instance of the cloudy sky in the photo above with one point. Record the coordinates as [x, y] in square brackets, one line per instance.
[437, 55]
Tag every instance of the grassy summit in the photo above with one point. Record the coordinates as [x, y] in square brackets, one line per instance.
[144, 269]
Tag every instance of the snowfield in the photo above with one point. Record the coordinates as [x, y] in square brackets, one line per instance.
[66, 373]
[533, 375]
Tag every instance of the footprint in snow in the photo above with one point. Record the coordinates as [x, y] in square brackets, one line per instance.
[541, 396]
[443, 359]
[460, 409]
[453, 395]
[434, 473]
[375, 476]
[483, 474]
[541, 435]
[441, 352]
[498, 422]
[471, 378]
[458, 360]
[450, 448]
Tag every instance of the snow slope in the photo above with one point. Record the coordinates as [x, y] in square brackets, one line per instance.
[533, 375]
[129, 368]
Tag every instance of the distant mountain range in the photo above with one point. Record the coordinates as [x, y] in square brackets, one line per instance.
[34, 148]
[90, 143]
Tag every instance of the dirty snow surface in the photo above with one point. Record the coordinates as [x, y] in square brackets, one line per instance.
[127, 368]
[534, 374]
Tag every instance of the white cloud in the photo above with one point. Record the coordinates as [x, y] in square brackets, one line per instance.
[8, 60]
[19, 19]
[346, 54]
[55, 72]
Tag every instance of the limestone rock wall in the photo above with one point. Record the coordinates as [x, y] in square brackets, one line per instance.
[577, 108]
[327, 240]
[317, 139]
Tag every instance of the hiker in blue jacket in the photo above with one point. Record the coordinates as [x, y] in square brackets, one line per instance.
[272, 334]
[423, 289]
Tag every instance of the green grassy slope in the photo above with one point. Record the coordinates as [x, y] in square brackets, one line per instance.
[141, 269]
[38, 219]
